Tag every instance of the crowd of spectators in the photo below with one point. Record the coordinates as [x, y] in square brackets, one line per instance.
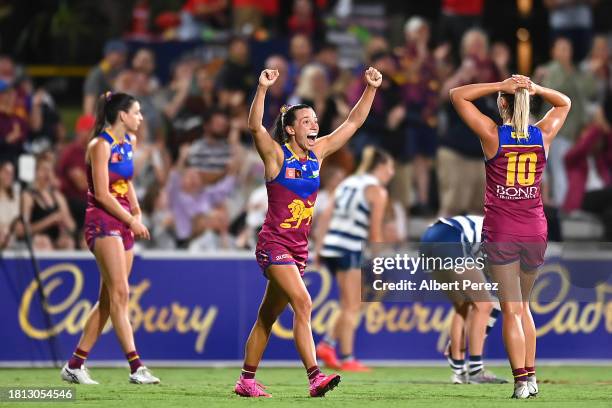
[197, 175]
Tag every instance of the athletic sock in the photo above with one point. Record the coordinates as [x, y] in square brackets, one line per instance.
[346, 357]
[312, 372]
[519, 374]
[458, 366]
[530, 371]
[134, 359]
[495, 312]
[78, 359]
[475, 365]
[248, 372]
[327, 339]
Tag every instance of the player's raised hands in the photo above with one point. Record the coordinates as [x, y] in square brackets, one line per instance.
[515, 82]
[268, 77]
[373, 77]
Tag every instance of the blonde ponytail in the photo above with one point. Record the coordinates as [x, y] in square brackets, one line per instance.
[370, 158]
[520, 115]
[367, 155]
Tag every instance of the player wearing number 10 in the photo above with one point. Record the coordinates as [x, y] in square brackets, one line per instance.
[514, 227]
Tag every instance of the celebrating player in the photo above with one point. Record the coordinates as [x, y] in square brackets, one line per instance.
[112, 220]
[292, 157]
[475, 310]
[514, 226]
[355, 216]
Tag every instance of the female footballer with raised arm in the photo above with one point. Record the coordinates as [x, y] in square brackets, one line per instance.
[292, 157]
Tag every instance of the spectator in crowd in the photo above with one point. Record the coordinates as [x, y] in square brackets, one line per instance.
[46, 211]
[46, 127]
[561, 74]
[589, 171]
[303, 19]
[460, 166]
[144, 62]
[313, 89]
[236, 74]
[183, 127]
[100, 78]
[277, 93]
[158, 218]
[256, 208]
[72, 170]
[387, 115]
[420, 90]
[500, 55]
[338, 77]
[572, 19]
[599, 66]
[13, 123]
[202, 99]
[9, 202]
[212, 153]
[197, 208]
[459, 16]
[152, 131]
[300, 54]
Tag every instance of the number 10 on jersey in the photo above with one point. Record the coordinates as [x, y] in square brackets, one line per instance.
[521, 168]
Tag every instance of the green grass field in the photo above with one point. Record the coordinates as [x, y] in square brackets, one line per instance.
[574, 386]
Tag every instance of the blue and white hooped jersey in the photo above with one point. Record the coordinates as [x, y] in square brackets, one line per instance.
[470, 227]
[350, 223]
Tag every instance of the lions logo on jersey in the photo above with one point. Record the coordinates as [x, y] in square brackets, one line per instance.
[299, 212]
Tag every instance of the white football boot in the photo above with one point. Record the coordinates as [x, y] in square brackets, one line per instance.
[532, 384]
[143, 376]
[77, 375]
[521, 390]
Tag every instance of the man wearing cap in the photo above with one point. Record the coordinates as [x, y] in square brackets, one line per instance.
[100, 78]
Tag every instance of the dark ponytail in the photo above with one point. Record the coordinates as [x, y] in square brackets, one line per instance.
[286, 117]
[108, 107]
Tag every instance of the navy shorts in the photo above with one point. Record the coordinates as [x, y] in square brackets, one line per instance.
[348, 260]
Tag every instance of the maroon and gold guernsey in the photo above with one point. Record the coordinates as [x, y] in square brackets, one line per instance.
[513, 201]
[283, 238]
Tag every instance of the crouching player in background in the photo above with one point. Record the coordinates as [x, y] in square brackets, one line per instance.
[476, 311]
[354, 217]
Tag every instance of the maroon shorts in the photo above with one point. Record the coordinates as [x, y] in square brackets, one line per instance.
[277, 254]
[99, 223]
[501, 249]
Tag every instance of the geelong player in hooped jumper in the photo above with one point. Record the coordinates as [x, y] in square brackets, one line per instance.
[354, 217]
[112, 220]
[514, 227]
[292, 157]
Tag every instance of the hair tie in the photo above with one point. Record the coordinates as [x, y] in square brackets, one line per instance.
[284, 109]
[108, 95]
